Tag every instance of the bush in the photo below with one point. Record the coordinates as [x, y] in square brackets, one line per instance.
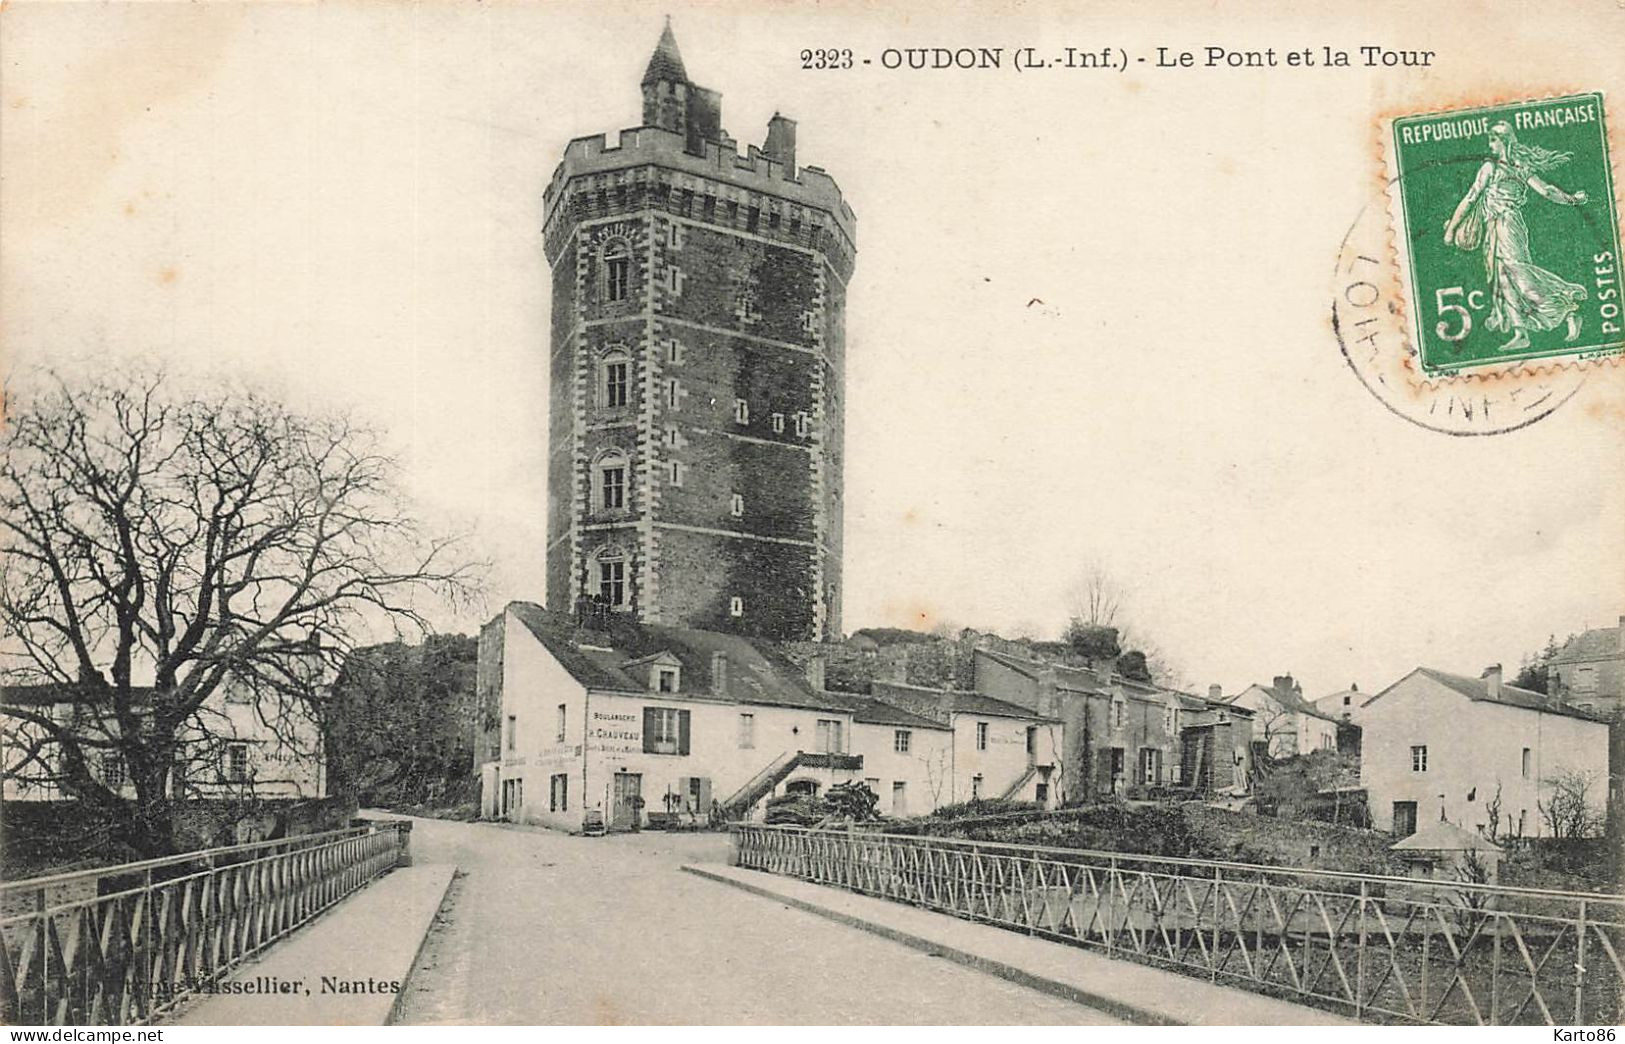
[984, 807]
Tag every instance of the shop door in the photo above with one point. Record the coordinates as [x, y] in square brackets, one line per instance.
[628, 801]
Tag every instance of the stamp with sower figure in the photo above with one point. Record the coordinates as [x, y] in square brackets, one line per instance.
[1507, 230]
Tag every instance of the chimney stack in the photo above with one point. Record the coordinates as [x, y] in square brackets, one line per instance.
[815, 673]
[1492, 680]
[1215, 692]
[780, 146]
[719, 673]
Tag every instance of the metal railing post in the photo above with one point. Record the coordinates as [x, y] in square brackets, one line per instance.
[1359, 953]
[1110, 906]
[1580, 965]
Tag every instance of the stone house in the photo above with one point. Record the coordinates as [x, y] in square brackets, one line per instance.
[1589, 670]
[1446, 746]
[1121, 735]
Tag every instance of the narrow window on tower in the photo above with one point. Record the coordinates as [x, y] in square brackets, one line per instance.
[778, 424]
[617, 270]
[752, 217]
[738, 506]
[674, 353]
[612, 578]
[736, 606]
[675, 239]
[803, 424]
[741, 411]
[674, 394]
[614, 387]
[675, 471]
[611, 483]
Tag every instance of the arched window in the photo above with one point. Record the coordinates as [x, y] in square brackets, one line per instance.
[614, 379]
[617, 258]
[610, 576]
[609, 480]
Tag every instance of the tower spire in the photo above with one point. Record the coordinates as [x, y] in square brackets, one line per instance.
[667, 62]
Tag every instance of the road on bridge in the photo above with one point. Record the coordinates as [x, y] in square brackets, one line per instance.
[543, 928]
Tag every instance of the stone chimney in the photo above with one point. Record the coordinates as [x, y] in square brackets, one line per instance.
[1492, 680]
[815, 673]
[719, 673]
[780, 146]
[1047, 697]
[1284, 683]
[1215, 692]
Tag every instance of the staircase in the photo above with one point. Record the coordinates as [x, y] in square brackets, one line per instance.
[761, 784]
[1015, 788]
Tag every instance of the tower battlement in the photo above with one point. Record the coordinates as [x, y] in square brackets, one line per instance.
[754, 170]
[722, 171]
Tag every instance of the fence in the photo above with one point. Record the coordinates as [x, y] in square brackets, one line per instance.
[120, 945]
[1380, 948]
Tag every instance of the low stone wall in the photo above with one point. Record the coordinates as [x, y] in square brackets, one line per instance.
[1191, 830]
[43, 837]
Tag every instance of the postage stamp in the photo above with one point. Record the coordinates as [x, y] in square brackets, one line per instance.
[1507, 231]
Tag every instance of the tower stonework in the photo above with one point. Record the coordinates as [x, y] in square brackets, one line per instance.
[697, 372]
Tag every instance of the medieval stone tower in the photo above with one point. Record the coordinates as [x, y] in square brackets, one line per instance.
[697, 372]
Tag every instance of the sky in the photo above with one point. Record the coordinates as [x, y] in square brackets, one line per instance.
[1088, 325]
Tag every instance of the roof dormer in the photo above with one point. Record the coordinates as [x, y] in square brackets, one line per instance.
[661, 671]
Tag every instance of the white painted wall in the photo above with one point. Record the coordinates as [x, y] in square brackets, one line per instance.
[715, 749]
[533, 686]
[926, 771]
[1472, 747]
[1005, 758]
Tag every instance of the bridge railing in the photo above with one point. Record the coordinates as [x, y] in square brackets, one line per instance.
[121, 945]
[1391, 949]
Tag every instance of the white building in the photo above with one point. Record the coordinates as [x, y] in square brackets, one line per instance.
[907, 758]
[999, 749]
[1282, 717]
[232, 747]
[649, 725]
[1439, 745]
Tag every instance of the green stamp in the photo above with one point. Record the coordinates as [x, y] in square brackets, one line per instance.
[1508, 233]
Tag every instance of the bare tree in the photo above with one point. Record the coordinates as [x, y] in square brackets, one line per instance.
[1492, 815]
[936, 773]
[1569, 812]
[161, 544]
[1096, 598]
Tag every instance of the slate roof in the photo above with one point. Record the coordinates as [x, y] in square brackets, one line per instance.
[1478, 690]
[1443, 836]
[976, 703]
[1072, 679]
[866, 711]
[667, 62]
[1599, 643]
[757, 673]
[1292, 701]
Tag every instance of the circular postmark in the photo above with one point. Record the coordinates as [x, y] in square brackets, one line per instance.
[1369, 318]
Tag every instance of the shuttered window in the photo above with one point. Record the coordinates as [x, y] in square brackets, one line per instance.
[665, 730]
